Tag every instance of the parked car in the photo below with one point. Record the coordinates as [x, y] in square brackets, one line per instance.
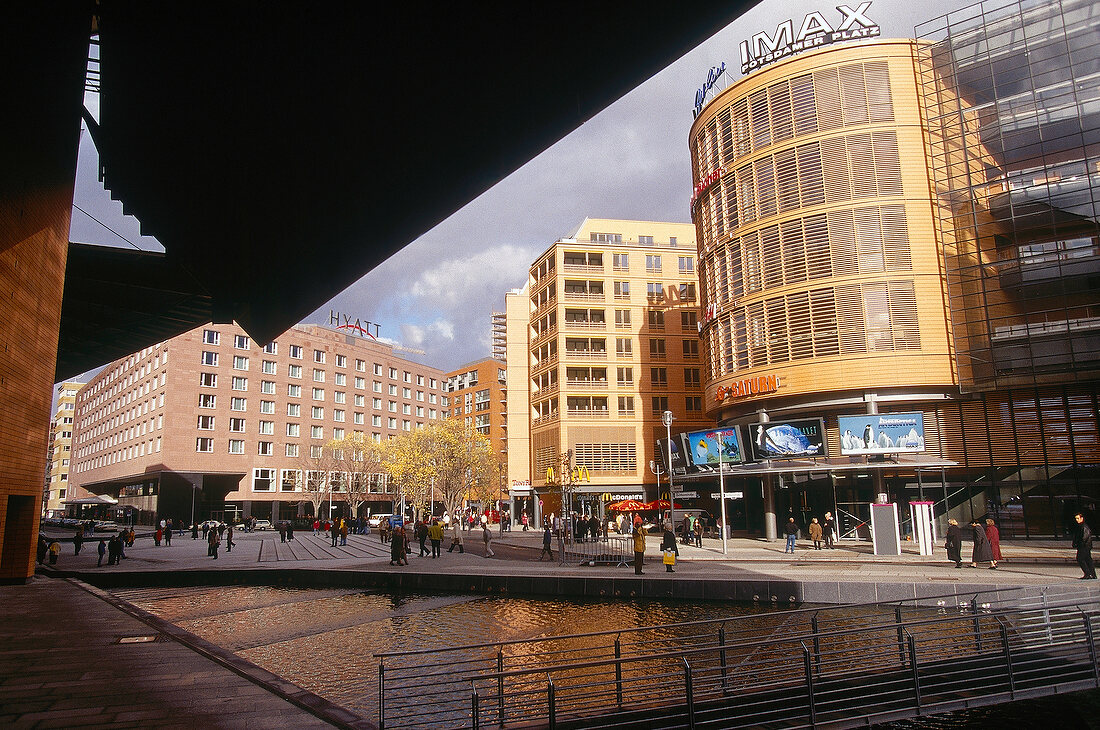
[375, 520]
[263, 524]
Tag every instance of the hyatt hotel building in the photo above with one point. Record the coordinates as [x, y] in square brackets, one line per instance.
[234, 425]
[910, 226]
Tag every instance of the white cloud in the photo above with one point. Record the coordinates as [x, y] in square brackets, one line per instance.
[487, 272]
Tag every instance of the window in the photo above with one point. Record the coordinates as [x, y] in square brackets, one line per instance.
[658, 377]
[622, 317]
[606, 237]
[318, 394]
[691, 349]
[267, 427]
[337, 434]
[240, 383]
[653, 263]
[623, 347]
[624, 376]
[294, 391]
[360, 400]
[406, 393]
[293, 430]
[268, 367]
[208, 400]
[687, 264]
[292, 453]
[267, 386]
[319, 356]
[267, 406]
[340, 379]
[406, 409]
[210, 337]
[236, 446]
[391, 422]
[236, 425]
[657, 348]
[406, 376]
[206, 423]
[691, 377]
[205, 445]
[361, 366]
[406, 425]
[378, 369]
[338, 415]
[294, 410]
[358, 417]
[687, 292]
[265, 448]
[693, 403]
[318, 375]
[622, 289]
[339, 396]
[660, 403]
[262, 479]
[656, 319]
[296, 352]
[361, 383]
[377, 387]
[654, 291]
[672, 241]
[316, 452]
[316, 432]
[376, 404]
[420, 411]
[689, 321]
[420, 380]
[317, 412]
[240, 342]
[626, 405]
[294, 371]
[238, 404]
[209, 358]
[393, 389]
[393, 373]
[432, 383]
[376, 420]
[645, 240]
[392, 405]
[271, 348]
[341, 361]
[620, 261]
[420, 396]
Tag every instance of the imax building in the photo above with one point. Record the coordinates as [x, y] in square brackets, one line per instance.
[900, 272]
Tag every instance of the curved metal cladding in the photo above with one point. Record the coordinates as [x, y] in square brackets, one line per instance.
[819, 267]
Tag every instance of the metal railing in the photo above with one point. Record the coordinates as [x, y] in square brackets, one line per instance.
[613, 550]
[842, 665]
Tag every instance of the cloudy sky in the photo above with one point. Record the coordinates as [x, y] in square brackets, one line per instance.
[630, 161]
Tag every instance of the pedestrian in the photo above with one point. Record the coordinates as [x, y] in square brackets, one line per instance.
[384, 530]
[422, 536]
[205, 530]
[953, 543]
[102, 549]
[994, 536]
[114, 547]
[791, 531]
[213, 540]
[669, 548]
[157, 536]
[78, 540]
[168, 533]
[290, 529]
[55, 552]
[334, 533]
[456, 536]
[546, 537]
[639, 545]
[487, 536]
[697, 532]
[398, 546]
[815, 533]
[687, 529]
[316, 527]
[828, 528]
[435, 534]
[982, 552]
[194, 531]
[1082, 540]
[229, 539]
[282, 532]
[525, 521]
[343, 532]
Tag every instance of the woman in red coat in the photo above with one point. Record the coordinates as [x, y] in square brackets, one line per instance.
[994, 537]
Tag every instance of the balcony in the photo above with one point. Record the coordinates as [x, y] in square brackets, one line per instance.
[545, 363]
[574, 296]
[546, 334]
[592, 413]
[583, 268]
[579, 324]
[586, 354]
[586, 384]
[543, 420]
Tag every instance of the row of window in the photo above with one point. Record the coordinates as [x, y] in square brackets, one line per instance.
[205, 444]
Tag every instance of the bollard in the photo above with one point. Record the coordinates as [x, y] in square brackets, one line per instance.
[619, 671]
[500, 685]
[690, 695]
[551, 702]
[722, 657]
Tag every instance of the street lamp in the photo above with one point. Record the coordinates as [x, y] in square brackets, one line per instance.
[667, 419]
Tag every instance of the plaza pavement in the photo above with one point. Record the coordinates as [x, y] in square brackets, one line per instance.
[66, 657]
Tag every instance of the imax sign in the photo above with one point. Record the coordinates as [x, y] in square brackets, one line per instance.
[815, 31]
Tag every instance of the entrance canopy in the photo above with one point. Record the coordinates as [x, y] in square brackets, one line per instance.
[99, 499]
[822, 467]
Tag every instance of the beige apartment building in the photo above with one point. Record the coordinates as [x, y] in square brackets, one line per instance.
[57, 489]
[612, 343]
[212, 424]
[475, 393]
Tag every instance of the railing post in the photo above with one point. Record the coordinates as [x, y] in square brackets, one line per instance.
[690, 694]
[977, 624]
[500, 685]
[817, 642]
[619, 671]
[913, 666]
[901, 634]
[1008, 660]
[381, 694]
[551, 702]
[1092, 646]
[474, 706]
[722, 657]
[812, 700]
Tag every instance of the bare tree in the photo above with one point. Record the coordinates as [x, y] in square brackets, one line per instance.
[315, 473]
[363, 464]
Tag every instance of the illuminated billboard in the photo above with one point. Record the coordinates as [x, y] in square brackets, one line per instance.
[787, 439]
[706, 448]
[881, 433]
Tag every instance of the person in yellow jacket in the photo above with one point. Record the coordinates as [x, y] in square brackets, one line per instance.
[639, 548]
[435, 534]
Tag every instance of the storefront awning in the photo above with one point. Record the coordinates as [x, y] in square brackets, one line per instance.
[98, 499]
[821, 467]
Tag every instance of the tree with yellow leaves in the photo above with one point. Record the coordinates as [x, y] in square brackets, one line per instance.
[360, 460]
[446, 457]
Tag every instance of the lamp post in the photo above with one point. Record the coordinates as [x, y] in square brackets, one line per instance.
[500, 502]
[667, 419]
[722, 490]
